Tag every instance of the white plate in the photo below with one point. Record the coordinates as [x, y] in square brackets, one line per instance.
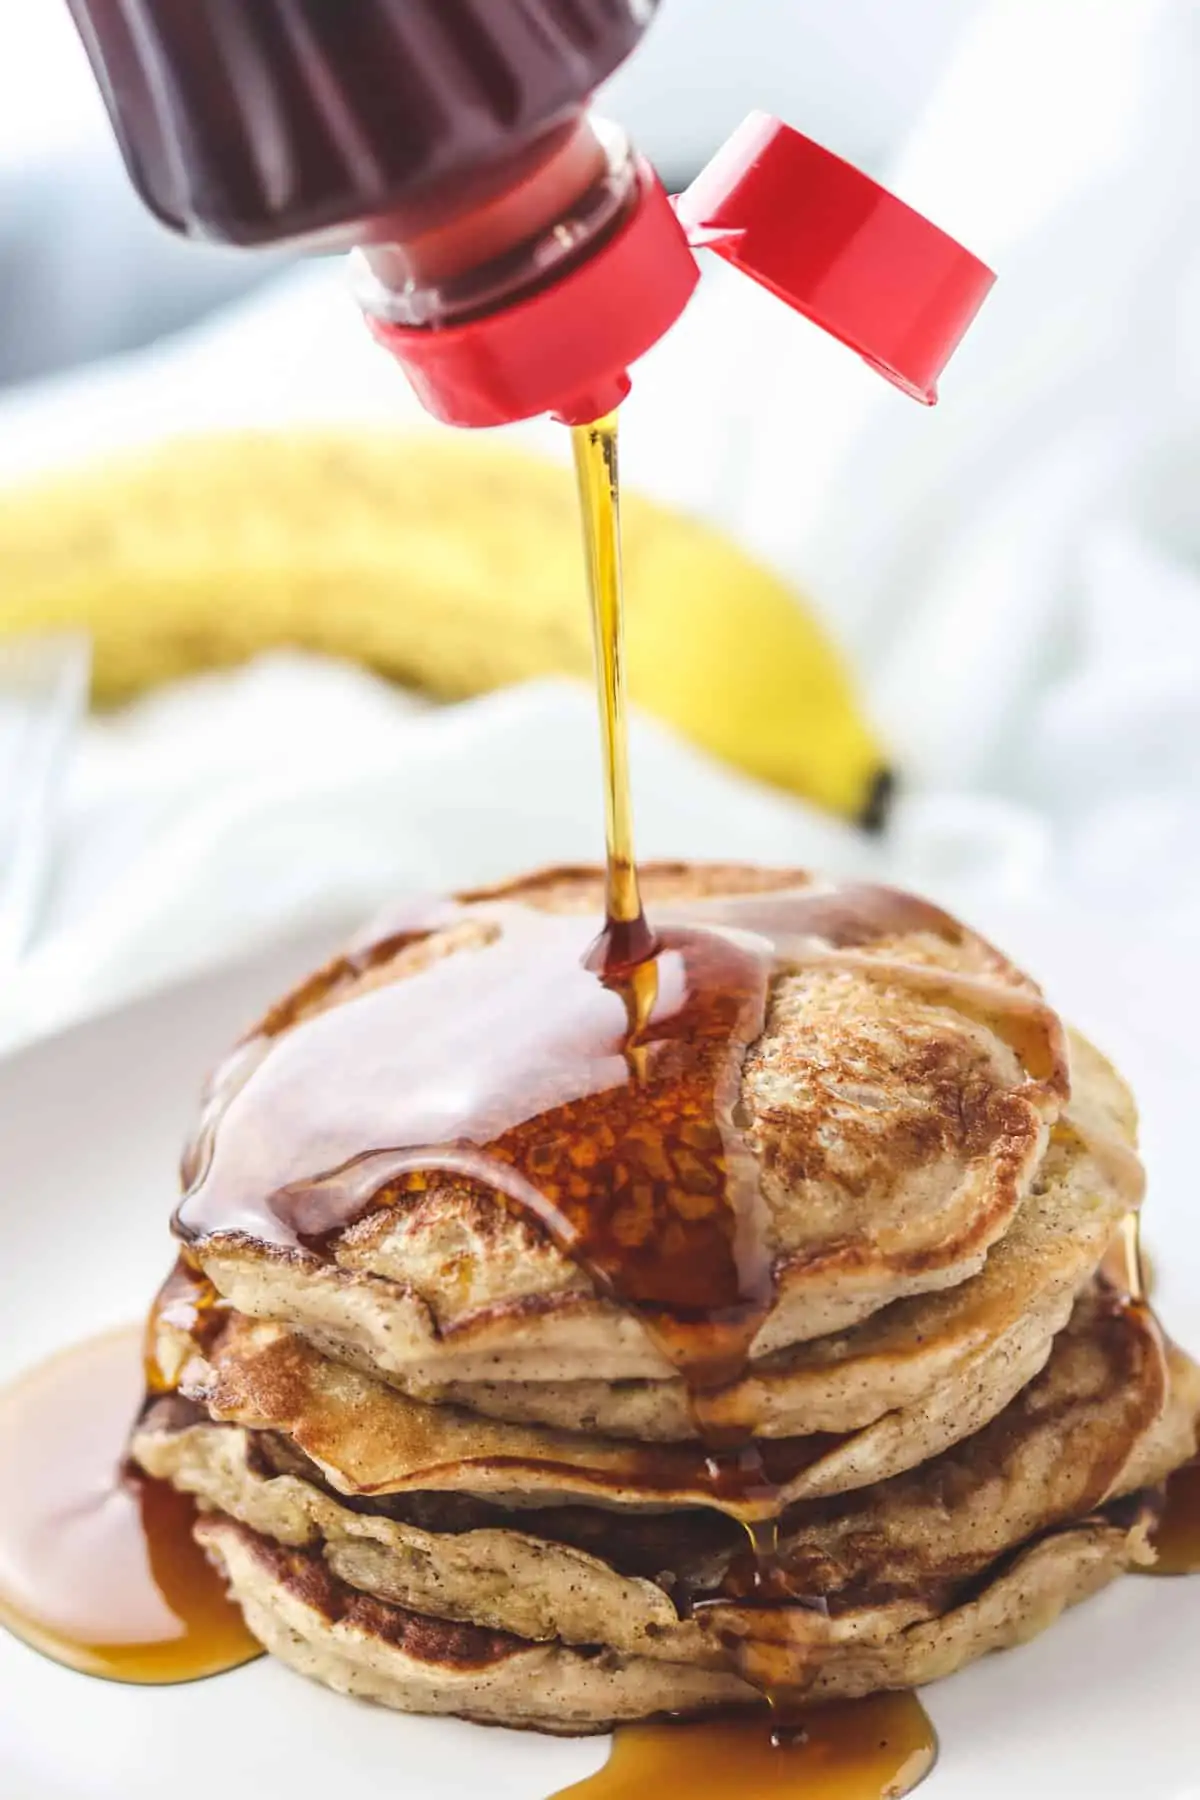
[90, 1124]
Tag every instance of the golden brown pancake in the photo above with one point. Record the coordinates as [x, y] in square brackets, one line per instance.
[896, 1127]
[1101, 1420]
[356, 1645]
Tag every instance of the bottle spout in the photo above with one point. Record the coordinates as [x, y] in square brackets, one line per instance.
[596, 402]
[563, 340]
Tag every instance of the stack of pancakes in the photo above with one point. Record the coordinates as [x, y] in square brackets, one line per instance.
[444, 1468]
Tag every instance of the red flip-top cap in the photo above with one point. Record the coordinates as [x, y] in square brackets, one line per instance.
[566, 348]
[839, 248]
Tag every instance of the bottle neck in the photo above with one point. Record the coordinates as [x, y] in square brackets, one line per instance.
[510, 245]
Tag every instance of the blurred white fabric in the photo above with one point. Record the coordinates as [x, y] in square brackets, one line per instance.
[1016, 573]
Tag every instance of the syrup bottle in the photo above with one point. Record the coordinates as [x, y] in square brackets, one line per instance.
[516, 255]
[259, 121]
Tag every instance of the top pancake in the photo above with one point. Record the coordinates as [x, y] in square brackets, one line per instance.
[898, 1102]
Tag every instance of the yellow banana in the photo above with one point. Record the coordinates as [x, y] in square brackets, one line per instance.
[449, 564]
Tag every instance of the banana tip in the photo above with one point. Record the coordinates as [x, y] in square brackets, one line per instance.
[877, 807]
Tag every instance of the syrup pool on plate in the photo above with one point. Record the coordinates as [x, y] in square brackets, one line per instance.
[875, 1749]
[98, 1568]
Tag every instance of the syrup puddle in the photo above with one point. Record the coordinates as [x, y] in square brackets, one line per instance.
[98, 1568]
[874, 1749]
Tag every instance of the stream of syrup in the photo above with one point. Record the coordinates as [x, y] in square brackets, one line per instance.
[627, 941]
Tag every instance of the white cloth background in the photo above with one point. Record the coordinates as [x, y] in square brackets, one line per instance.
[1016, 573]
